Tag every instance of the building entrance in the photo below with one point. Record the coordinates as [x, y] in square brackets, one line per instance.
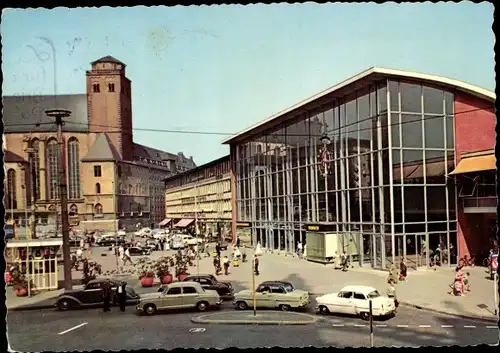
[422, 250]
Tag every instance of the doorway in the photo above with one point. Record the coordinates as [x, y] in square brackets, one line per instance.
[367, 258]
[422, 246]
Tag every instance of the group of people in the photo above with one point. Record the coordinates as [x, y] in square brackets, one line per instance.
[460, 285]
[124, 255]
[113, 296]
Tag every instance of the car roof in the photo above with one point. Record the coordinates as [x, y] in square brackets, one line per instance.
[182, 284]
[359, 289]
[201, 275]
[279, 283]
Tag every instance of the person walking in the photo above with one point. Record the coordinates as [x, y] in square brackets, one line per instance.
[238, 242]
[206, 249]
[122, 295]
[299, 249]
[217, 249]
[106, 294]
[256, 265]
[126, 257]
[217, 265]
[391, 293]
[225, 261]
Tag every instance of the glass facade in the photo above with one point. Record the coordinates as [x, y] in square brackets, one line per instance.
[382, 181]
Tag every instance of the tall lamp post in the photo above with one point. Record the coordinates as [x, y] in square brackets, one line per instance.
[58, 115]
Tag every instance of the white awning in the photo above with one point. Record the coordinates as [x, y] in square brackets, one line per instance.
[184, 223]
[164, 222]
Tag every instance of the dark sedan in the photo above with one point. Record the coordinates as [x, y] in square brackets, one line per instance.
[110, 241]
[224, 289]
[138, 251]
[91, 295]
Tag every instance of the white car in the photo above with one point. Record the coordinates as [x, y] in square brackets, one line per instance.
[144, 232]
[121, 233]
[162, 234]
[355, 300]
[190, 240]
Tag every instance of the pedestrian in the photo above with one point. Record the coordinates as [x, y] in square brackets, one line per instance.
[403, 271]
[207, 252]
[226, 265]
[299, 249]
[238, 242]
[126, 257]
[217, 265]
[391, 293]
[122, 295]
[106, 294]
[121, 252]
[162, 244]
[87, 247]
[217, 249]
[79, 254]
[256, 265]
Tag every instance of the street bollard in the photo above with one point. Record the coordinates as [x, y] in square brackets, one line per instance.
[253, 290]
[371, 324]
[495, 292]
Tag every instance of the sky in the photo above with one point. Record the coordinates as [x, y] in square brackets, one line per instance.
[216, 70]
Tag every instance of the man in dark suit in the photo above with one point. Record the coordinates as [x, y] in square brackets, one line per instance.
[122, 295]
[106, 294]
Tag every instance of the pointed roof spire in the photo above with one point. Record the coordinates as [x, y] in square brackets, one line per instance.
[102, 150]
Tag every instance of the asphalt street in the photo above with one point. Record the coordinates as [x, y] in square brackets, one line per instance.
[51, 330]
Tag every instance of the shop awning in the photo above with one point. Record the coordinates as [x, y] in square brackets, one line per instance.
[164, 222]
[475, 164]
[184, 223]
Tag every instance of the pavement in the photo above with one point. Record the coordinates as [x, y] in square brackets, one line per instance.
[266, 317]
[424, 289]
[92, 329]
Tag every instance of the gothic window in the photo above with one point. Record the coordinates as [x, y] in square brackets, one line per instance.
[98, 209]
[73, 169]
[130, 189]
[35, 167]
[11, 198]
[95, 88]
[97, 188]
[111, 87]
[73, 210]
[53, 169]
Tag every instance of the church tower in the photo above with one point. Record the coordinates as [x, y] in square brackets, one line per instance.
[109, 96]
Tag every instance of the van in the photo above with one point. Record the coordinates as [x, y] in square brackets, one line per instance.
[177, 242]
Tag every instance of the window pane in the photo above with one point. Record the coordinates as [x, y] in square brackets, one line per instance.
[395, 127]
[410, 97]
[394, 93]
[448, 102]
[433, 100]
[434, 131]
[436, 201]
[450, 133]
[363, 107]
[382, 99]
[411, 127]
[396, 166]
[414, 201]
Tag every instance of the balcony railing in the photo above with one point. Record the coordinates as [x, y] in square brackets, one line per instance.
[480, 202]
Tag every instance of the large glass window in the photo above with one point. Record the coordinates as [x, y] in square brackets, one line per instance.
[53, 157]
[411, 97]
[35, 167]
[11, 199]
[73, 169]
[411, 127]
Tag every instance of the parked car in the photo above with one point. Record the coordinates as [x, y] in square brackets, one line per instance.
[177, 242]
[136, 251]
[144, 233]
[210, 282]
[179, 295]
[91, 295]
[189, 240]
[273, 294]
[110, 241]
[355, 300]
[152, 244]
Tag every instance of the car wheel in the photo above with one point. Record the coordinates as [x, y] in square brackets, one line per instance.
[242, 305]
[150, 309]
[365, 315]
[323, 310]
[65, 304]
[202, 306]
[284, 307]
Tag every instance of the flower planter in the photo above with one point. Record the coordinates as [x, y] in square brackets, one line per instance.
[182, 277]
[22, 292]
[147, 281]
[167, 279]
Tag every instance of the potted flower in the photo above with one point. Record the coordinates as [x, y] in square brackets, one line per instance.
[146, 272]
[19, 281]
[162, 267]
[181, 269]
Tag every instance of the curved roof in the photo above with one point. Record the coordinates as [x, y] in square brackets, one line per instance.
[352, 84]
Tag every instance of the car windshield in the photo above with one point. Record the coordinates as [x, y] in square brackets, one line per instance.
[373, 295]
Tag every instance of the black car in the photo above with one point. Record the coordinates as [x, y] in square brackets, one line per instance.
[224, 289]
[136, 250]
[110, 241]
[91, 295]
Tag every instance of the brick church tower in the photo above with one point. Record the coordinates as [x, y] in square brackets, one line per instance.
[109, 96]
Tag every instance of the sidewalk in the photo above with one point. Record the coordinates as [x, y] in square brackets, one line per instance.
[424, 289]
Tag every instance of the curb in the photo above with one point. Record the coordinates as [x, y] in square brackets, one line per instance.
[31, 307]
[201, 320]
[468, 317]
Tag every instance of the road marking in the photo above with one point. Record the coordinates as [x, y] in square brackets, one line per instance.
[338, 325]
[358, 325]
[73, 328]
[380, 325]
[492, 327]
[197, 329]
[424, 325]
[446, 326]
[469, 326]
[402, 325]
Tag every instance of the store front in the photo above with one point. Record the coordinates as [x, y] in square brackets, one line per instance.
[370, 161]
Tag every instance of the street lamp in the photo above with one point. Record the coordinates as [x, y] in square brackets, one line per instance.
[58, 115]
